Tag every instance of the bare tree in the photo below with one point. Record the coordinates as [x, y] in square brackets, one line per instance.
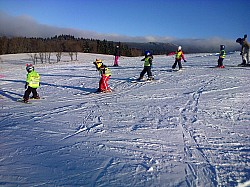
[47, 56]
[76, 55]
[58, 56]
[33, 58]
[71, 55]
[42, 57]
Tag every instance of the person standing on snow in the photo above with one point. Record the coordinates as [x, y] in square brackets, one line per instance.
[178, 56]
[32, 83]
[105, 75]
[148, 59]
[244, 50]
[117, 55]
[222, 56]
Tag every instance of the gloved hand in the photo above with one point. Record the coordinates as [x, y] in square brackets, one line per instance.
[185, 61]
[26, 85]
[241, 53]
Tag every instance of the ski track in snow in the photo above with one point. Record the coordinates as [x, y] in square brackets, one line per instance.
[190, 128]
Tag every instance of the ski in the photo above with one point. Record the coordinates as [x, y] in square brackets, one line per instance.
[176, 70]
[243, 65]
[216, 67]
[41, 98]
[97, 92]
[143, 80]
[21, 101]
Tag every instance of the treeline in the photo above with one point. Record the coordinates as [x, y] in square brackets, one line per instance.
[63, 43]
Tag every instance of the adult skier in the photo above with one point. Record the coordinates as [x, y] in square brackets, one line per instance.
[244, 51]
[221, 56]
[32, 83]
[148, 59]
[117, 55]
[178, 56]
[105, 75]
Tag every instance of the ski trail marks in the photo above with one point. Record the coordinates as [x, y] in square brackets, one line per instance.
[96, 127]
[102, 170]
[195, 176]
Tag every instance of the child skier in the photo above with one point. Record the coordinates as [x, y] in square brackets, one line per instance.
[105, 75]
[32, 83]
[178, 56]
[148, 59]
[117, 55]
[222, 56]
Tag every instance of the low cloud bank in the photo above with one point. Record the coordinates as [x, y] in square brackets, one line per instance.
[25, 26]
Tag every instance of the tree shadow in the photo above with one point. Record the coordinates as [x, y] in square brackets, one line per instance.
[8, 94]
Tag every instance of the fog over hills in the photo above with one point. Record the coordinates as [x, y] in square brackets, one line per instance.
[25, 26]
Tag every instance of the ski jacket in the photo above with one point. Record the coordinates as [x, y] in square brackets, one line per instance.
[148, 61]
[117, 52]
[33, 79]
[179, 55]
[222, 54]
[245, 46]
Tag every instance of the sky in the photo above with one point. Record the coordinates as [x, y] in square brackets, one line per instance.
[127, 20]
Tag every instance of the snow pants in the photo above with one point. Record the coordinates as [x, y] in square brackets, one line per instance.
[220, 62]
[116, 61]
[103, 83]
[146, 69]
[175, 63]
[28, 91]
[246, 56]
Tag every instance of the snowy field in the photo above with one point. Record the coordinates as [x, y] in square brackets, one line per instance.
[190, 128]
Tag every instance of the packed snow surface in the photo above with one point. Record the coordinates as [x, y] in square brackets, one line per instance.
[189, 128]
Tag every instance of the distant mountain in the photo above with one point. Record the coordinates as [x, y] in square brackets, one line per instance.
[188, 46]
[154, 47]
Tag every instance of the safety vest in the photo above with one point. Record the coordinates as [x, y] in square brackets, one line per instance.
[178, 54]
[147, 61]
[107, 72]
[33, 79]
[104, 70]
[222, 54]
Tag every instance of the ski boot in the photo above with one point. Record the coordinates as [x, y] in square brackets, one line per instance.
[150, 78]
[37, 97]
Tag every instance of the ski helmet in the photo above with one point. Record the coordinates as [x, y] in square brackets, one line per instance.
[98, 61]
[29, 67]
[222, 47]
[179, 48]
[147, 53]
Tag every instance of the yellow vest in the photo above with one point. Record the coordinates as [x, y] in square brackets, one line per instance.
[33, 79]
[107, 72]
[222, 54]
[178, 54]
[147, 61]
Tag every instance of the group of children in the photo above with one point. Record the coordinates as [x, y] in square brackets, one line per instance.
[33, 78]
[245, 53]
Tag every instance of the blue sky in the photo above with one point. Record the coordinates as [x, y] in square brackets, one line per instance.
[138, 18]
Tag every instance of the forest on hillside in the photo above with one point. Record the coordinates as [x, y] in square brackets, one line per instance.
[44, 47]
[63, 43]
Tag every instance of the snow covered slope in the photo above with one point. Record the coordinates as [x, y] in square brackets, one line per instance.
[190, 128]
